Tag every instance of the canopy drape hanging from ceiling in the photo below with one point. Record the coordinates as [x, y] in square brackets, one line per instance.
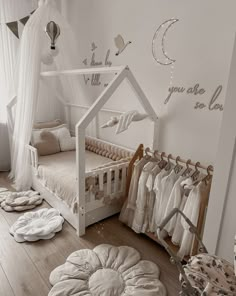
[34, 45]
[11, 11]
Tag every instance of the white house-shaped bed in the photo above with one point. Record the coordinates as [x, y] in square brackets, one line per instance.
[80, 220]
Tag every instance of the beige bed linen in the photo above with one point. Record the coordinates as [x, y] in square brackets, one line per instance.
[57, 172]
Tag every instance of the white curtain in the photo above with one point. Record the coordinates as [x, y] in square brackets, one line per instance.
[10, 11]
[34, 45]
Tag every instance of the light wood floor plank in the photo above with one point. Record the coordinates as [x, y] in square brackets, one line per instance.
[5, 288]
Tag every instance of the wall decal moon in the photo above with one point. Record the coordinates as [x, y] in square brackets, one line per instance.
[158, 43]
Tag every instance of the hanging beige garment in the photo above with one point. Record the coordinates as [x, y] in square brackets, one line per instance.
[192, 210]
[147, 225]
[174, 202]
[127, 211]
[141, 201]
[157, 188]
[167, 184]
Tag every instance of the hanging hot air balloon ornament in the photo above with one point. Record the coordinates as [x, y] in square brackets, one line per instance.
[53, 31]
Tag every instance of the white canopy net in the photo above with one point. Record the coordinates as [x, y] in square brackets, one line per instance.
[12, 16]
[34, 51]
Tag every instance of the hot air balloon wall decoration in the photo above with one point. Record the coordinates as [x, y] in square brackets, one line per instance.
[53, 31]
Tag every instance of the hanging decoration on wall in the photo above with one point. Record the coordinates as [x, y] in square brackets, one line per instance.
[53, 31]
[14, 26]
[158, 43]
[120, 44]
[195, 91]
[85, 62]
[125, 120]
[93, 46]
[95, 79]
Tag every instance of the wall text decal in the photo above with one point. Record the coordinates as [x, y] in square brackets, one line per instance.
[95, 78]
[196, 90]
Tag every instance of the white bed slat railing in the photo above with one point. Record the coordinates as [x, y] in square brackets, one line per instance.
[33, 153]
[109, 181]
[117, 179]
[114, 186]
[123, 178]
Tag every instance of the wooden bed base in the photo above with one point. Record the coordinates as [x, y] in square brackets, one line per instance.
[100, 202]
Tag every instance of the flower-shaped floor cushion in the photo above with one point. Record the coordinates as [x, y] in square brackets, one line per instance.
[33, 226]
[106, 271]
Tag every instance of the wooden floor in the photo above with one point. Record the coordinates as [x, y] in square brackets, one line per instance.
[25, 267]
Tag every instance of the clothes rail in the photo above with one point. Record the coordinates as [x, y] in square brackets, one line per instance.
[141, 152]
[179, 159]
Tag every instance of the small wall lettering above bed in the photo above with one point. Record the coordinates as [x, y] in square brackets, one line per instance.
[196, 90]
[95, 79]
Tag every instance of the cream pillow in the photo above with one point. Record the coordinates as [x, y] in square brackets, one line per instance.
[66, 142]
[47, 143]
[36, 132]
[47, 124]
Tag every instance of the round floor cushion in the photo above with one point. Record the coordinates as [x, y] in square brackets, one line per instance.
[106, 271]
[33, 226]
[19, 201]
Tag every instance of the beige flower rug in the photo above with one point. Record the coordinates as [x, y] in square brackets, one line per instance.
[106, 271]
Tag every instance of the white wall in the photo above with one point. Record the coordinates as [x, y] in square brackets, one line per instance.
[221, 219]
[201, 42]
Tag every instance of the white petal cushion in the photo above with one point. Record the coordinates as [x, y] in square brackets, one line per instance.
[33, 226]
[66, 142]
[104, 271]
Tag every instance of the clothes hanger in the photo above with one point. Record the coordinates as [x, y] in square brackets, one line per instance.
[209, 175]
[196, 174]
[178, 166]
[156, 154]
[188, 170]
[162, 163]
[147, 156]
[168, 165]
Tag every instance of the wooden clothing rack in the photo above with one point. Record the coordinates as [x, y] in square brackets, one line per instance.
[204, 202]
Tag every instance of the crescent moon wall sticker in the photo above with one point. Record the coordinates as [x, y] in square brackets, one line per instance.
[158, 43]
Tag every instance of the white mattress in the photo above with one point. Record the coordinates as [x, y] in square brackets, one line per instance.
[57, 172]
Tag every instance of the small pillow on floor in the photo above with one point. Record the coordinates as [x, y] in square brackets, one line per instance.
[19, 201]
[33, 226]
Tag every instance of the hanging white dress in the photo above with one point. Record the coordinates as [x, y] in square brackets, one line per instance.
[157, 188]
[147, 225]
[167, 184]
[187, 186]
[174, 202]
[191, 210]
[178, 229]
[127, 211]
[141, 201]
